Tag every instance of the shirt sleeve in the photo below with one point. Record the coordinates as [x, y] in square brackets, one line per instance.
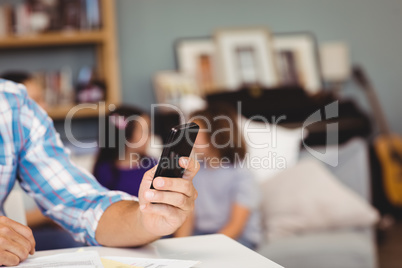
[247, 191]
[64, 192]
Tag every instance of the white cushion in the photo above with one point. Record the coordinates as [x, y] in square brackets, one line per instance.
[271, 148]
[308, 198]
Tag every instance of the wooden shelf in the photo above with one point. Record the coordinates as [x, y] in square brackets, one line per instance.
[60, 112]
[105, 48]
[53, 39]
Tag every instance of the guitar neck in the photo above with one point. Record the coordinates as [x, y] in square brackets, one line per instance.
[378, 111]
[361, 78]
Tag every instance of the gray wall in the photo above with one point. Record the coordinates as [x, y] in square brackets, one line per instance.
[147, 30]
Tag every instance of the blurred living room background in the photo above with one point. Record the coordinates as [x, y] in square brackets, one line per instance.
[276, 58]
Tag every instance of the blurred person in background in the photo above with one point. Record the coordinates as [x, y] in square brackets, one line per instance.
[122, 160]
[34, 89]
[228, 196]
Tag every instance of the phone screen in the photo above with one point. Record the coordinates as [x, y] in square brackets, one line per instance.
[179, 144]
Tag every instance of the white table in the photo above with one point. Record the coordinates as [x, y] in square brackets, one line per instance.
[214, 251]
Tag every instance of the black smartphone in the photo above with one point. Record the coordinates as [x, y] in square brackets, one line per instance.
[179, 143]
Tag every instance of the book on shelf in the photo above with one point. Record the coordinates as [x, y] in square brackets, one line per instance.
[38, 16]
[57, 86]
[6, 20]
[21, 19]
[90, 88]
[3, 24]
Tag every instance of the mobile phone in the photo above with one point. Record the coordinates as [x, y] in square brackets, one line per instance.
[179, 143]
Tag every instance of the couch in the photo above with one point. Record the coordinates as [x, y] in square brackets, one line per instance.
[343, 248]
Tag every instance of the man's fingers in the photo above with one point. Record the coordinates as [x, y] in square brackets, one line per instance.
[191, 167]
[175, 185]
[23, 230]
[8, 259]
[177, 200]
[26, 236]
[148, 176]
[22, 234]
[23, 241]
[9, 245]
[174, 216]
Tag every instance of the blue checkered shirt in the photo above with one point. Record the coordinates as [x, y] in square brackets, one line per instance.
[32, 153]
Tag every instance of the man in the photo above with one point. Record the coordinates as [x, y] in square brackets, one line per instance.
[31, 152]
[41, 226]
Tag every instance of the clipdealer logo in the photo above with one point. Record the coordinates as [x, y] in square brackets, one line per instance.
[329, 153]
[330, 156]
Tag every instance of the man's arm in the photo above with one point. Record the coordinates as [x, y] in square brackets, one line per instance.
[75, 200]
[117, 224]
[126, 224]
[66, 194]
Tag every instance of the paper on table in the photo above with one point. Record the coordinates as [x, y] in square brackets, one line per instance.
[153, 263]
[87, 259]
[115, 264]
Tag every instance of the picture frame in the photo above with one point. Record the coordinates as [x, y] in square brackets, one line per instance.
[196, 57]
[246, 58]
[171, 86]
[297, 57]
[177, 92]
[335, 62]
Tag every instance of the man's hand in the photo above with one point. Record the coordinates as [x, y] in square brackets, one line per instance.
[164, 209]
[159, 212]
[16, 242]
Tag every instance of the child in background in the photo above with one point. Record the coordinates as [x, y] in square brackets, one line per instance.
[122, 159]
[33, 87]
[228, 196]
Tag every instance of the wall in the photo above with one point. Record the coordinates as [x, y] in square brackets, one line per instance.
[147, 30]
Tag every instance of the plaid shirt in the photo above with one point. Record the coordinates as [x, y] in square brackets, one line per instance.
[32, 153]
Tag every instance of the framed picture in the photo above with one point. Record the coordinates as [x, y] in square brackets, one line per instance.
[246, 58]
[196, 57]
[297, 60]
[335, 62]
[179, 92]
[171, 87]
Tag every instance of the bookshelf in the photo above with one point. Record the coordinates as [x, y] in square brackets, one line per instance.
[105, 45]
[53, 39]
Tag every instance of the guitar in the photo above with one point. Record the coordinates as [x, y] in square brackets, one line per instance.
[387, 145]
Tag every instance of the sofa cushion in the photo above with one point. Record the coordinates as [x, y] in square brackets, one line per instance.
[353, 169]
[270, 148]
[309, 198]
